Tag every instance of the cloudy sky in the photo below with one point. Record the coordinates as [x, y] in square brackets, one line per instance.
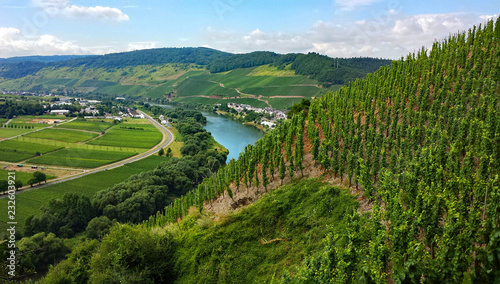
[338, 28]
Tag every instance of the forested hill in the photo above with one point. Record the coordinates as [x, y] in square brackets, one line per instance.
[40, 58]
[322, 68]
[157, 56]
[419, 145]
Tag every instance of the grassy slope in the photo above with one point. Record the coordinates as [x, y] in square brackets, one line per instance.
[258, 242]
[29, 203]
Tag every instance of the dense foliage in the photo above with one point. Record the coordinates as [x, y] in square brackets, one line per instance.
[250, 246]
[157, 56]
[325, 69]
[421, 141]
[14, 70]
[235, 61]
[40, 58]
[335, 70]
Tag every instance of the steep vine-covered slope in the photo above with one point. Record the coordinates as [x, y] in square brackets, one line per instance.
[419, 140]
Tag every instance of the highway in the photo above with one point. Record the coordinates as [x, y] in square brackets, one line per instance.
[168, 138]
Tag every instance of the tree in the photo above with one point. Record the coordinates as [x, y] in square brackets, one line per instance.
[39, 177]
[169, 152]
[161, 152]
[98, 227]
[43, 250]
[32, 181]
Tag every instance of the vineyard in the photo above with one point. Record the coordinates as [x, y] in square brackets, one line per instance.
[419, 142]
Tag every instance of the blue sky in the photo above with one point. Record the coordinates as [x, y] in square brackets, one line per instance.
[343, 28]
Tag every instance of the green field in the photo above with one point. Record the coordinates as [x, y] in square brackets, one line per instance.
[63, 135]
[16, 151]
[134, 134]
[24, 177]
[97, 125]
[22, 125]
[29, 203]
[80, 158]
[10, 132]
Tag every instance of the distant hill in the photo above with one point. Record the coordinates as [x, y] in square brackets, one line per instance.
[157, 56]
[40, 58]
[190, 75]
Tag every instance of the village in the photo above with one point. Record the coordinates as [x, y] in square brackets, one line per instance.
[274, 114]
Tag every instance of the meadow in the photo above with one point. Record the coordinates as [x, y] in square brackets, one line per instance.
[66, 135]
[80, 158]
[29, 203]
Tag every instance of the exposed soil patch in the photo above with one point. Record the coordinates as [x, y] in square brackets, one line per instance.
[47, 171]
[46, 121]
[245, 196]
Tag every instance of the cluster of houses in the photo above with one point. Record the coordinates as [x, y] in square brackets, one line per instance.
[164, 121]
[274, 113]
[278, 114]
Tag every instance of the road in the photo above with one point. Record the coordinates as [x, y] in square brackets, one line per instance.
[168, 138]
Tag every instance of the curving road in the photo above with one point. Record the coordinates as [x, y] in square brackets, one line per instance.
[168, 138]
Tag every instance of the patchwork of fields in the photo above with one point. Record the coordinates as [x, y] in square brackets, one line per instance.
[29, 203]
[80, 143]
[262, 84]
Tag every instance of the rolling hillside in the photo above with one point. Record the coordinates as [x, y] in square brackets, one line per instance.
[188, 75]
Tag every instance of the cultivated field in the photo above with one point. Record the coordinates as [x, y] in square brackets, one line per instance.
[81, 144]
[97, 125]
[16, 151]
[80, 158]
[63, 135]
[136, 133]
[29, 203]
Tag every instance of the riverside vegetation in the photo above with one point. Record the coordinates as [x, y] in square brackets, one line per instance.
[418, 145]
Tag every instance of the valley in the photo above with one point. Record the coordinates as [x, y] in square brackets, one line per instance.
[378, 171]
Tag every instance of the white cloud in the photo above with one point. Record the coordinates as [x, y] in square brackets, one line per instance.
[13, 43]
[66, 9]
[141, 45]
[391, 36]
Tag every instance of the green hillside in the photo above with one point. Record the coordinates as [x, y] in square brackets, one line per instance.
[418, 144]
[180, 73]
[250, 246]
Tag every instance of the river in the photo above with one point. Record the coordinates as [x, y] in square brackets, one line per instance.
[231, 134]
